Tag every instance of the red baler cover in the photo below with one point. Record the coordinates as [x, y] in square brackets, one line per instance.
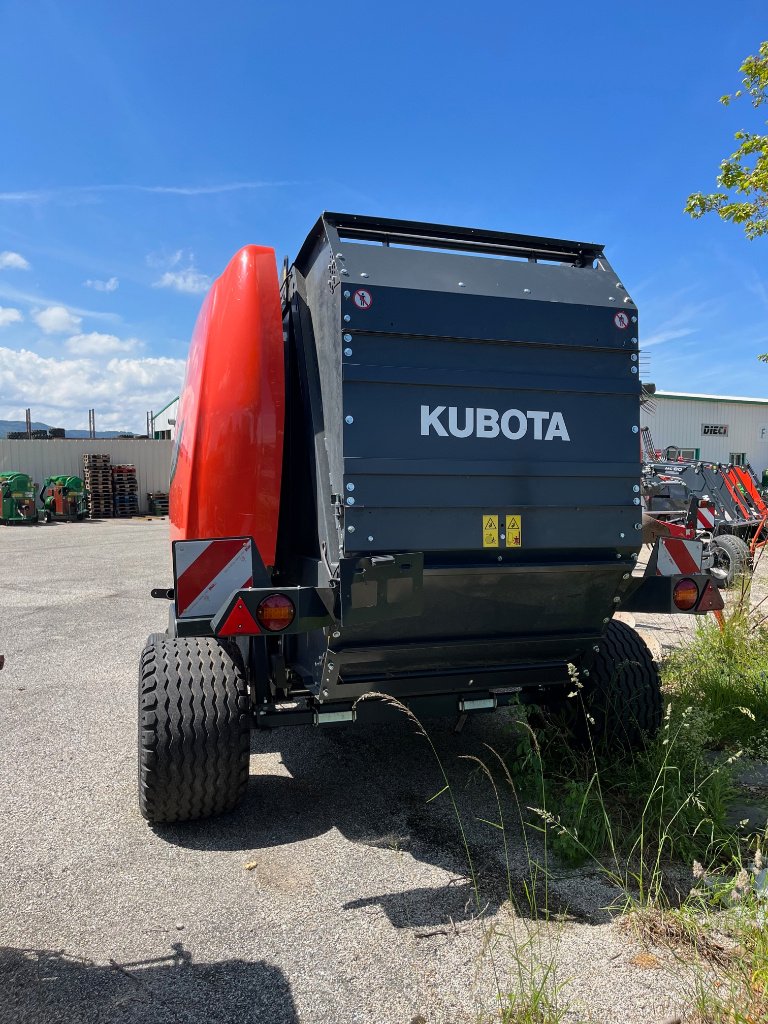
[225, 477]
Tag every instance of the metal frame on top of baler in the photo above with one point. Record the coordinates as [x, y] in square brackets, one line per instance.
[389, 231]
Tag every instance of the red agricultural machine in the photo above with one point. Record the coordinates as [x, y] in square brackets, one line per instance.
[730, 518]
[429, 502]
[63, 499]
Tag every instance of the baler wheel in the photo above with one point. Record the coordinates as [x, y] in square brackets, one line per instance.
[622, 695]
[733, 555]
[194, 729]
[625, 696]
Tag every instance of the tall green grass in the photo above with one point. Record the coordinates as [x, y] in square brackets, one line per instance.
[724, 671]
[633, 816]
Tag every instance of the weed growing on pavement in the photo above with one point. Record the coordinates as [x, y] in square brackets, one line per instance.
[718, 939]
[631, 813]
[724, 671]
[529, 936]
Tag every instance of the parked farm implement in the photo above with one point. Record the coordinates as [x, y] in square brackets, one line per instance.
[731, 514]
[429, 504]
[63, 498]
[17, 499]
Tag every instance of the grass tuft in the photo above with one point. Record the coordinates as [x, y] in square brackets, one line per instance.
[725, 672]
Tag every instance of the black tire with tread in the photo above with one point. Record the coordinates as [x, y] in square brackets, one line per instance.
[194, 729]
[625, 699]
[737, 560]
[622, 695]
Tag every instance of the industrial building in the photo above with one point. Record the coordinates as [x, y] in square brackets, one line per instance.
[164, 422]
[714, 428]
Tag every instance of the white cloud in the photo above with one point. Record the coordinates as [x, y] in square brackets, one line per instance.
[103, 286]
[181, 274]
[62, 390]
[73, 192]
[56, 320]
[11, 294]
[13, 261]
[189, 281]
[9, 315]
[670, 334]
[97, 344]
[167, 261]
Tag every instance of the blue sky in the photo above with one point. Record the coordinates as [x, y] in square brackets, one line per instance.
[142, 144]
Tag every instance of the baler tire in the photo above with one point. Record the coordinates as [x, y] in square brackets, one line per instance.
[194, 729]
[736, 558]
[625, 699]
[619, 707]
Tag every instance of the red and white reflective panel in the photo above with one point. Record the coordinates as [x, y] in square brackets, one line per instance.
[678, 556]
[208, 572]
[705, 517]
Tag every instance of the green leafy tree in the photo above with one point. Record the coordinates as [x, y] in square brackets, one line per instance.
[743, 176]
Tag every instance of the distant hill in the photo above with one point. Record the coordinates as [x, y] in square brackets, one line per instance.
[6, 425]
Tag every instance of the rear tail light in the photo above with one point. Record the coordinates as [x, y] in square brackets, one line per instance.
[276, 612]
[685, 595]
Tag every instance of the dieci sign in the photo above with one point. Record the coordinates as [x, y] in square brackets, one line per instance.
[714, 429]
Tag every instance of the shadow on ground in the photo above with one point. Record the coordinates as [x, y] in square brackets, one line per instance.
[46, 985]
[374, 783]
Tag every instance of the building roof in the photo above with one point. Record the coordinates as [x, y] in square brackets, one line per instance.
[711, 398]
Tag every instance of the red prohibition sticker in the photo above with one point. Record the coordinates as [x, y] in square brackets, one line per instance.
[363, 299]
[621, 320]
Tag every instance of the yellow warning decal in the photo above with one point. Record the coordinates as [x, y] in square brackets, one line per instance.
[514, 531]
[490, 531]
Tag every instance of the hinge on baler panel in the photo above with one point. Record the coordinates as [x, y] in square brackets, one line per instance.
[338, 511]
[333, 277]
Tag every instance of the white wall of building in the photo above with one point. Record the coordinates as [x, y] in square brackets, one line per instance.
[689, 421]
[164, 422]
[41, 459]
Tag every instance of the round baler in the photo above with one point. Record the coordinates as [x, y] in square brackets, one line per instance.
[407, 470]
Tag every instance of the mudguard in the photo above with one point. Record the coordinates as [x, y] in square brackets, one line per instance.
[227, 463]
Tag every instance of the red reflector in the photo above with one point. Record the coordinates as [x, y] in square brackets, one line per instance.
[275, 612]
[239, 621]
[685, 595]
[711, 599]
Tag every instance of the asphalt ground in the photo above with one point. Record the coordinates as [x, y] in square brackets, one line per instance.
[336, 892]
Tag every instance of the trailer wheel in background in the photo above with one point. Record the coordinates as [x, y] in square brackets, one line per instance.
[194, 729]
[732, 555]
[622, 695]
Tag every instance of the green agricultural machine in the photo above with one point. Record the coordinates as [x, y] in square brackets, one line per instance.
[63, 498]
[17, 499]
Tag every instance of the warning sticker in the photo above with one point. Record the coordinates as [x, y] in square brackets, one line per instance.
[363, 299]
[490, 531]
[514, 531]
[621, 320]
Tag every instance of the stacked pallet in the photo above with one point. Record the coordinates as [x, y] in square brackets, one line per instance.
[97, 474]
[157, 502]
[125, 491]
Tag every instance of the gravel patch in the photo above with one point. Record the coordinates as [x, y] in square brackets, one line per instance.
[335, 893]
